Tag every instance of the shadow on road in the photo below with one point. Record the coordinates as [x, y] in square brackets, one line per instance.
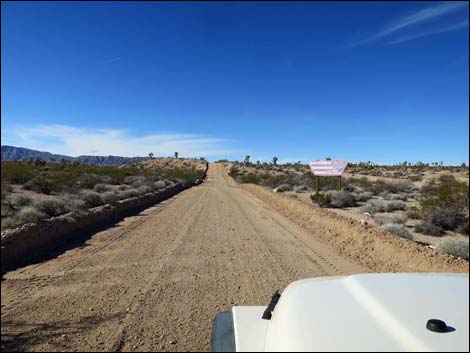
[58, 335]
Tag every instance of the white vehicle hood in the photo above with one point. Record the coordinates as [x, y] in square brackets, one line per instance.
[367, 312]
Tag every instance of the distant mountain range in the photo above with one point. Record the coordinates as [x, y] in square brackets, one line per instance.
[11, 153]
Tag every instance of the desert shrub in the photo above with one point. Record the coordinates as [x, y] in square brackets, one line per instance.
[128, 194]
[101, 188]
[448, 219]
[348, 187]
[323, 200]
[380, 186]
[139, 181]
[29, 214]
[301, 188]
[250, 178]
[123, 187]
[429, 229]
[169, 182]
[74, 204]
[446, 193]
[273, 181]
[92, 199]
[21, 201]
[40, 184]
[144, 189]
[463, 228]
[396, 206]
[383, 219]
[413, 212]
[402, 196]
[6, 189]
[328, 183]
[374, 206]
[7, 208]
[363, 182]
[398, 229]
[283, 188]
[340, 199]
[89, 181]
[384, 194]
[181, 174]
[455, 247]
[415, 177]
[129, 180]
[109, 197]
[158, 185]
[61, 180]
[51, 207]
[364, 196]
[17, 172]
[414, 195]
[8, 223]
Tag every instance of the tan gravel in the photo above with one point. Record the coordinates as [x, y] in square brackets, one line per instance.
[156, 280]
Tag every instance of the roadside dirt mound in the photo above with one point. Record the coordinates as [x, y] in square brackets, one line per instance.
[371, 247]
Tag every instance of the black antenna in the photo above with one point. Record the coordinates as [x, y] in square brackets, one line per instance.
[272, 304]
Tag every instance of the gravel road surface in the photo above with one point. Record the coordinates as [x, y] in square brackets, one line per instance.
[156, 280]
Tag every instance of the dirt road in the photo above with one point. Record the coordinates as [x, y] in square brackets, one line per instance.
[156, 280]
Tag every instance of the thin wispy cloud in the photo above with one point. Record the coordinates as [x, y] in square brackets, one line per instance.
[416, 18]
[455, 27]
[73, 141]
[108, 61]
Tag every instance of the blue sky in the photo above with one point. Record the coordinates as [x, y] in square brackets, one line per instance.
[379, 81]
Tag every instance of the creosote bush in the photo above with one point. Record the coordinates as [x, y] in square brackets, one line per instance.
[455, 247]
[109, 197]
[74, 204]
[364, 196]
[341, 199]
[21, 201]
[448, 219]
[101, 188]
[29, 214]
[446, 193]
[92, 199]
[383, 219]
[429, 229]
[51, 208]
[396, 206]
[158, 185]
[413, 213]
[398, 229]
[375, 206]
[323, 200]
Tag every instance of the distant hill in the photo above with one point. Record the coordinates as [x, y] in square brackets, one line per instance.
[11, 153]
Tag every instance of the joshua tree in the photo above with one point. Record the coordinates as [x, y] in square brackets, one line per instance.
[176, 154]
[151, 155]
[247, 159]
[275, 160]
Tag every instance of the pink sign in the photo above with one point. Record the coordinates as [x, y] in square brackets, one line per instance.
[328, 168]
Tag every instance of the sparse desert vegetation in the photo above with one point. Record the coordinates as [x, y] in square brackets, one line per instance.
[34, 190]
[427, 203]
